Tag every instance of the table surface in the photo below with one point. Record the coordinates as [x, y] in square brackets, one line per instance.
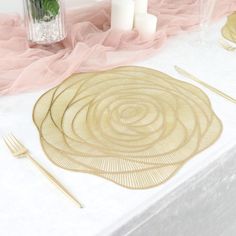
[30, 205]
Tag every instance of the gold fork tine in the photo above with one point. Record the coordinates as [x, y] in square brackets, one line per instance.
[8, 144]
[19, 150]
[16, 148]
[16, 142]
[12, 143]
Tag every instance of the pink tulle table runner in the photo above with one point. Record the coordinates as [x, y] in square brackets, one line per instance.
[90, 45]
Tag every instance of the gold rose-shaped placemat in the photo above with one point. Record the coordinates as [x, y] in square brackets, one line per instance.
[229, 30]
[131, 125]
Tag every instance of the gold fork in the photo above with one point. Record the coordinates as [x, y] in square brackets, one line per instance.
[19, 150]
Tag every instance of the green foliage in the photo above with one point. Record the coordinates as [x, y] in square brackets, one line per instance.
[45, 10]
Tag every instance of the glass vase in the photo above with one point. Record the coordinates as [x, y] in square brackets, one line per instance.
[45, 21]
[206, 13]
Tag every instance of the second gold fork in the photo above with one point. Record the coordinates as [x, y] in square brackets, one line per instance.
[19, 150]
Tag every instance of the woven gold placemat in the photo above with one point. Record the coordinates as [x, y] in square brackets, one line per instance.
[229, 30]
[131, 125]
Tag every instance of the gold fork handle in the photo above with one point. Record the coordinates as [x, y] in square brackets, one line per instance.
[54, 181]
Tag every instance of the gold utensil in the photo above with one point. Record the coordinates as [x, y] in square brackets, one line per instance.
[19, 150]
[215, 90]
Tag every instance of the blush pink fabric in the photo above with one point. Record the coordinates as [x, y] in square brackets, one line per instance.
[90, 45]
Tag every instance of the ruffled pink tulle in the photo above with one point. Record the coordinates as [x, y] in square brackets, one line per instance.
[90, 45]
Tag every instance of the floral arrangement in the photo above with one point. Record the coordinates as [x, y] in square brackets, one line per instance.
[44, 10]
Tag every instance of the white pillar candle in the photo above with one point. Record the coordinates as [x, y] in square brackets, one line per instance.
[146, 24]
[141, 6]
[122, 14]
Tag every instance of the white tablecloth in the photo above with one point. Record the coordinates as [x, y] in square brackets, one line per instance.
[31, 205]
